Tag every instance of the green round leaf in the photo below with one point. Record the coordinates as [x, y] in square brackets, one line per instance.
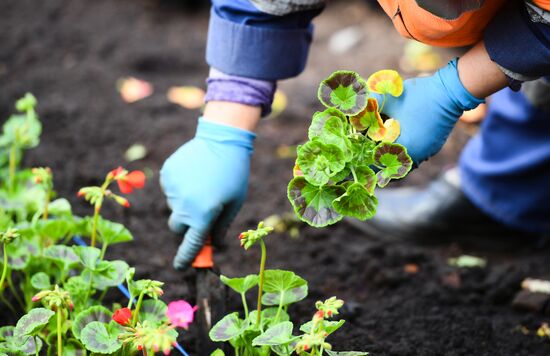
[240, 285]
[278, 334]
[356, 202]
[95, 313]
[89, 256]
[112, 233]
[393, 160]
[319, 161]
[54, 229]
[62, 255]
[98, 338]
[367, 177]
[41, 281]
[228, 328]
[320, 118]
[60, 207]
[153, 311]
[345, 91]
[32, 322]
[283, 288]
[312, 204]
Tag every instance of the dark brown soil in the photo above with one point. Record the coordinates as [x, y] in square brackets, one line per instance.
[70, 53]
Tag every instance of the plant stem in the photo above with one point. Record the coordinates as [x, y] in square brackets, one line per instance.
[8, 304]
[35, 346]
[4, 269]
[94, 226]
[59, 336]
[245, 305]
[14, 291]
[261, 284]
[138, 307]
[13, 164]
[354, 175]
[382, 106]
[103, 250]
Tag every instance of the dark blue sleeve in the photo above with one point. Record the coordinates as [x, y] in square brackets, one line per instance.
[517, 43]
[246, 42]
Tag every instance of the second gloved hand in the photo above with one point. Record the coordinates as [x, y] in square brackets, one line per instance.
[205, 182]
[428, 109]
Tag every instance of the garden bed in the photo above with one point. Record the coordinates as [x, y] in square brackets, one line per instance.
[70, 55]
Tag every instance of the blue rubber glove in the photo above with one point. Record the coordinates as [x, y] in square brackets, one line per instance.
[428, 110]
[205, 182]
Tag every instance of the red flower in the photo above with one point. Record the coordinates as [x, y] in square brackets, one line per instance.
[123, 316]
[131, 181]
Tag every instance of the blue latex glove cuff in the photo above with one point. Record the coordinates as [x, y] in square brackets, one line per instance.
[225, 134]
[455, 89]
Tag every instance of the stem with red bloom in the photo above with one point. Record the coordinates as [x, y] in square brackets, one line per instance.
[261, 283]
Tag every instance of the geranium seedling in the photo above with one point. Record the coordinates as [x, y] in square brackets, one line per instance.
[269, 330]
[334, 174]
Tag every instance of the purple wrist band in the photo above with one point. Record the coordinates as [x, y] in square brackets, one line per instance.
[248, 91]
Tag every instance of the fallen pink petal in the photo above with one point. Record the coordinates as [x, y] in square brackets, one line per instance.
[132, 89]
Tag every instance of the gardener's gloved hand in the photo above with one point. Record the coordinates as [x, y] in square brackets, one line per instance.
[205, 182]
[428, 110]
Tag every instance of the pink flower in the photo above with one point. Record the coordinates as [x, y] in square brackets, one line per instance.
[181, 313]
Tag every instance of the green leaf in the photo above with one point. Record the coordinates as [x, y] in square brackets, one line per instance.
[112, 232]
[107, 274]
[15, 346]
[217, 352]
[97, 338]
[278, 334]
[228, 328]
[393, 160]
[60, 208]
[153, 311]
[32, 322]
[320, 118]
[329, 326]
[367, 177]
[22, 130]
[63, 255]
[346, 353]
[240, 285]
[268, 316]
[363, 151]
[283, 287]
[356, 202]
[54, 229]
[85, 317]
[41, 281]
[89, 256]
[319, 161]
[285, 298]
[344, 90]
[312, 204]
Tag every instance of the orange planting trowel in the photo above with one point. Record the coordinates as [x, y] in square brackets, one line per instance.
[211, 297]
